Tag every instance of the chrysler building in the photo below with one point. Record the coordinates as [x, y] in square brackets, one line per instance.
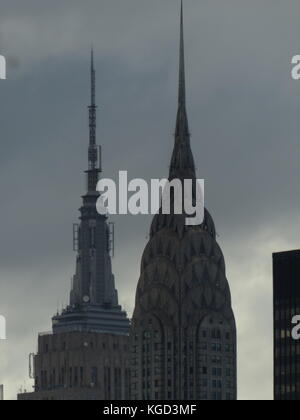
[183, 334]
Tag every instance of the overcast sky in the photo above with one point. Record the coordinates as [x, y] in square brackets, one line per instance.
[243, 109]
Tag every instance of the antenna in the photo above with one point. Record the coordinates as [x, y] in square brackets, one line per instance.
[94, 151]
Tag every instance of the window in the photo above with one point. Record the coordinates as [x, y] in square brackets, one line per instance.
[70, 377]
[53, 378]
[94, 376]
[76, 376]
[107, 383]
[63, 376]
[216, 347]
[44, 379]
[146, 335]
[203, 359]
[81, 376]
[217, 371]
[229, 384]
[118, 384]
[216, 396]
[203, 383]
[127, 384]
[217, 384]
[228, 348]
[216, 360]
[216, 334]
[203, 346]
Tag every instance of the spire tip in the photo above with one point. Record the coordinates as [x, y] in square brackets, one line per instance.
[181, 62]
[93, 79]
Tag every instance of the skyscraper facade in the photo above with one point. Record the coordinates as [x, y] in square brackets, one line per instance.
[86, 354]
[286, 283]
[183, 335]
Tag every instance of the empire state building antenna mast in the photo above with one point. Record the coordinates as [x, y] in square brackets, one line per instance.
[94, 156]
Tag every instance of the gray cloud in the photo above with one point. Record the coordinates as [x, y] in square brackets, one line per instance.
[243, 111]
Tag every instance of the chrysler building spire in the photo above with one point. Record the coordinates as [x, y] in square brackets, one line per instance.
[181, 96]
[182, 163]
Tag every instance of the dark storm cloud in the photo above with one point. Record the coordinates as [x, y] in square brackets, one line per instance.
[243, 111]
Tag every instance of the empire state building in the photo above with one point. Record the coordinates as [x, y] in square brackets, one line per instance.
[183, 335]
[85, 356]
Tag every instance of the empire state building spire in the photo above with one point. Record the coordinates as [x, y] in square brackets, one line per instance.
[94, 155]
[93, 81]
[92, 107]
[94, 302]
[182, 163]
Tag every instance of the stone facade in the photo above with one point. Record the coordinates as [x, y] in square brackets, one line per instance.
[81, 366]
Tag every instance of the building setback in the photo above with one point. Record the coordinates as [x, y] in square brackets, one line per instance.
[286, 283]
[183, 335]
[86, 356]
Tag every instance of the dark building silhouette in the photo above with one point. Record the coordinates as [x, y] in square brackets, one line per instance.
[183, 332]
[286, 278]
[87, 355]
